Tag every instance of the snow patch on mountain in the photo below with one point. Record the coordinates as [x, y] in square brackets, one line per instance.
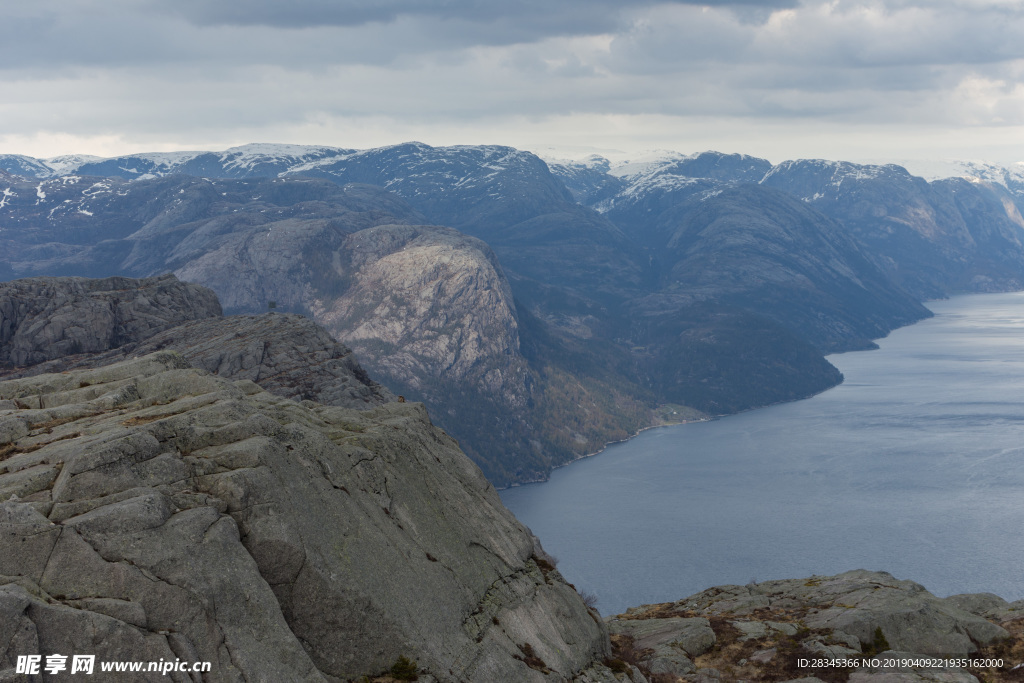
[96, 188]
[24, 166]
[317, 164]
[68, 163]
[647, 163]
[594, 162]
[839, 169]
[970, 169]
[247, 157]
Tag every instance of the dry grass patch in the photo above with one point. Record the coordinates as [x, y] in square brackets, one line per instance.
[144, 419]
[734, 657]
[1011, 651]
[665, 610]
[11, 449]
[531, 659]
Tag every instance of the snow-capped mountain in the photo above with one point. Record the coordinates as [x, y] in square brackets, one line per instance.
[24, 166]
[1010, 176]
[590, 180]
[253, 160]
[932, 169]
[462, 186]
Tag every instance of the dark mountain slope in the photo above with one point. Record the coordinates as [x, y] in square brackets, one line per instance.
[720, 359]
[467, 188]
[762, 250]
[103, 226]
[588, 181]
[930, 238]
[509, 199]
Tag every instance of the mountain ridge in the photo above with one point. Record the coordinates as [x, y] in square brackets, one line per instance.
[540, 315]
[300, 157]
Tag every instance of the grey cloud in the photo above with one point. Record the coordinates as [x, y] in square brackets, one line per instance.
[203, 70]
[544, 16]
[300, 34]
[821, 36]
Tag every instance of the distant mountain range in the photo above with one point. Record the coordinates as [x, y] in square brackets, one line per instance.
[266, 159]
[541, 309]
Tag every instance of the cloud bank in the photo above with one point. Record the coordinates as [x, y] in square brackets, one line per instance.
[785, 78]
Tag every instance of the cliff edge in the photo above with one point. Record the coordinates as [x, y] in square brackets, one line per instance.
[155, 511]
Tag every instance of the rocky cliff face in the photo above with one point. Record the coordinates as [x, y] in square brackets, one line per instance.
[46, 318]
[285, 354]
[154, 511]
[78, 323]
[427, 309]
[429, 303]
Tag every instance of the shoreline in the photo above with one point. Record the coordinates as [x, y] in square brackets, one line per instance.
[874, 347]
[709, 418]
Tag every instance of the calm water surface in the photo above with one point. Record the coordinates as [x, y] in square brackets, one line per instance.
[914, 465]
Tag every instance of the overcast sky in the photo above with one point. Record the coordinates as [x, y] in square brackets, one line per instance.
[851, 79]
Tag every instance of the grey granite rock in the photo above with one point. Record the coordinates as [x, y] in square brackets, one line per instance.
[45, 318]
[911, 675]
[201, 517]
[669, 644]
[285, 354]
[692, 635]
[982, 604]
[52, 325]
[427, 304]
[761, 630]
[858, 602]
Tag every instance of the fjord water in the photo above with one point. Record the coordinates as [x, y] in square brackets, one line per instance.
[914, 465]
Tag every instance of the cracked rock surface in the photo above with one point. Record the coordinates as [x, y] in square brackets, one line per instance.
[59, 324]
[286, 354]
[428, 303]
[761, 630]
[45, 318]
[155, 511]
